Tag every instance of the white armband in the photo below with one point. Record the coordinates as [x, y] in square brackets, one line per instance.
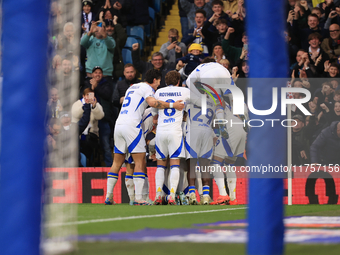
[171, 105]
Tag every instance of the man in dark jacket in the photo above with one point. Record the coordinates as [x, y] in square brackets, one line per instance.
[326, 147]
[157, 62]
[123, 85]
[117, 32]
[103, 92]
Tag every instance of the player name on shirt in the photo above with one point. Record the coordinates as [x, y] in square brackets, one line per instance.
[170, 94]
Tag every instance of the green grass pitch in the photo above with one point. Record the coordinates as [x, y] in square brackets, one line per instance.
[95, 212]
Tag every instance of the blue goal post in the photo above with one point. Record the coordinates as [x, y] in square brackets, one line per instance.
[267, 145]
[23, 108]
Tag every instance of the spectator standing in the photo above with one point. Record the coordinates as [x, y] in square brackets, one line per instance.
[117, 32]
[168, 48]
[326, 147]
[87, 16]
[103, 92]
[195, 34]
[99, 49]
[89, 138]
[123, 85]
[157, 62]
[191, 8]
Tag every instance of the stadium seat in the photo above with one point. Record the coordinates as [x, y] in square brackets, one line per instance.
[126, 54]
[138, 33]
[157, 5]
[126, 51]
[129, 42]
[83, 160]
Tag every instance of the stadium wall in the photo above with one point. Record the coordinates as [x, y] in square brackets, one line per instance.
[308, 188]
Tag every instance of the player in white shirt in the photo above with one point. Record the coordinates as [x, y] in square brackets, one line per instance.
[211, 77]
[169, 135]
[147, 127]
[199, 147]
[128, 134]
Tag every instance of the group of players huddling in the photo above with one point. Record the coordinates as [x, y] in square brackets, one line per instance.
[186, 138]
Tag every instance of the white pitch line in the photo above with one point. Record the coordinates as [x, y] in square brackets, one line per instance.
[141, 217]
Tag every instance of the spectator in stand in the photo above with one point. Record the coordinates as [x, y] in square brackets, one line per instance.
[300, 146]
[219, 33]
[225, 63]
[191, 8]
[117, 32]
[53, 105]
[234, 54]
[54, 129]
[157, 62]
[230, 6]
[103, 92]
[87, 16]
[105, 14]
[317, 11]
[195, 34]
[67, 43]
[69, 129]
[218, 53]
[89, 138]
[299, 61]
[325, 149]
[331, 70]
[99, 49]
[331, 45]
[301, 12]
[217, 8]
[331, 114]
[317, 56]
[331, 13]
[168, 48]
[193, 59]
[323, 95]
[313, 27]
[123, 85]
[183, 18]
[238, 23]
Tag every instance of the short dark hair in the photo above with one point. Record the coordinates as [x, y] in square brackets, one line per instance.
[172, 78]
[129, 65]
[217, 2]
[221, 21]
[335, 65]
[314, 35]
[201, 11]
[313, 15]
[208, 60]
[152, 74]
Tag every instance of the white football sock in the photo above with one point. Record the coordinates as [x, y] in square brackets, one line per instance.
[130, 186]
[174, 179]
[159, 180]
[231, 180]
[112, 179]
[145, 191]
[219, 179]
[138, 180]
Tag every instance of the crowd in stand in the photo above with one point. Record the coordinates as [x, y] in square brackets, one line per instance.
[212, 29]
